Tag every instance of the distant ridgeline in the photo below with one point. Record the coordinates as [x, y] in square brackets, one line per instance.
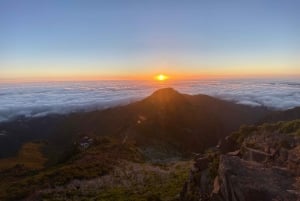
[166, 120]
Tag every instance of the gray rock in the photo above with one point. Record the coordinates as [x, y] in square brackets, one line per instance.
[249, 181]
[202, 163]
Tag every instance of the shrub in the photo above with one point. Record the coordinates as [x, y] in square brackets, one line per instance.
[290, 127]
[213, 168]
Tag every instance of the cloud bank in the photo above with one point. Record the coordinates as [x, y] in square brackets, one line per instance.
[39, 99]
[278, 95]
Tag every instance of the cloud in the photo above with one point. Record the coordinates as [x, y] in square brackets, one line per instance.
[39, 99]
[278, 95]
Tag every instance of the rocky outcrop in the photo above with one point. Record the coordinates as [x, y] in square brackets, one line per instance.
[198, 186]
[265, 167]
[294, 161]
[255, 155]
[249, 181]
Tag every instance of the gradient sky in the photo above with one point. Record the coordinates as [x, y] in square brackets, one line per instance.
[111, 39]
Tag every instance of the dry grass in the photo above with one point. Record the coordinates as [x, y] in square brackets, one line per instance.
[128, 181]
[29, 156]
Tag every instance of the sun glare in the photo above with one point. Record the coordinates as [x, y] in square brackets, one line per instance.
[161, 77]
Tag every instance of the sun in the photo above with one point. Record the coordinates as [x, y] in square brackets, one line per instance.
[161, 77]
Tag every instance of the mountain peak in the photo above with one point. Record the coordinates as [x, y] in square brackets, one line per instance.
[166, 96]
[165, 91]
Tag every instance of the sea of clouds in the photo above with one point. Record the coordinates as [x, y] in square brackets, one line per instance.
[39, 99]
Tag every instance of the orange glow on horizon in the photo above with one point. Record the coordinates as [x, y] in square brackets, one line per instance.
[232, 73]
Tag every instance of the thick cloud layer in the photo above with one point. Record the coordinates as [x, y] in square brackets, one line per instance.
[275, 94]
[38, 99]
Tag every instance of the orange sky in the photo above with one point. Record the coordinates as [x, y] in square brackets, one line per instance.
[209, 74]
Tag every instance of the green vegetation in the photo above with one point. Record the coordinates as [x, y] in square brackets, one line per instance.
[243, 133]
[154, 187]
[214, 164]
[107, 158]
[282, 127]
[289, 127]
[298, 132]
[163, 186]
[213, 168]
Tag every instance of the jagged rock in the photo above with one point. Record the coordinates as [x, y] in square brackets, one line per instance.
[234, 153]
[227, 145]
[202, 162]
[294, 161]
[248, 181]
[199, 185]
[255, 155]
[283, 154]
[216, 189]
[273, 151]
[264, 167]
[205, 182]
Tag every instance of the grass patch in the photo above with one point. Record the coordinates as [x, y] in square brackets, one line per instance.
[29, 156]
[154, 187]
[159, 182]
[288, 127]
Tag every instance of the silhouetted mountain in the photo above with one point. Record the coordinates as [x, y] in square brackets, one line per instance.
[166, 120]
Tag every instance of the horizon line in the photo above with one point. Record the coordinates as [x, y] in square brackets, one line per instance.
[148, 78]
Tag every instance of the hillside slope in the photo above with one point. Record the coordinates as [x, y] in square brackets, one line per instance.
[165, 121]
[169, 119]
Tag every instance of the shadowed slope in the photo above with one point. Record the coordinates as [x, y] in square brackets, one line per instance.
[286, 115]
[166, 120]
[169, 119]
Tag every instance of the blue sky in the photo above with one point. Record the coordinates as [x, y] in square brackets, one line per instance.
[121, 38]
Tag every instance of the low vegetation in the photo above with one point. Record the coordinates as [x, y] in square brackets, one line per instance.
[140, 182]
[29, 156]
[282, 127]
[108, 170]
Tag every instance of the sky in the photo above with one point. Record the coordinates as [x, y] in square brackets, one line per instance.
[110, 39]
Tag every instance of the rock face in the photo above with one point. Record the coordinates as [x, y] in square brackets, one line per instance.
[247, 181]
[265, 167]
[294, 160]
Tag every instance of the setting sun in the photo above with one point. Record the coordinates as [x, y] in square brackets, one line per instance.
[161, 77]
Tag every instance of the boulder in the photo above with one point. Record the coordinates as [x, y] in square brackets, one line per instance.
[294, 161]
[216, 189]
[202, 162]
[234, 153]
[255, 155]
[227, 145]
[248, 181]
[283, 154]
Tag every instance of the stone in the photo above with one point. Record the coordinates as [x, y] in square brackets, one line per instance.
[234, 153]
[294, 161]
[202, 163]
[255, 155]
[248, 181]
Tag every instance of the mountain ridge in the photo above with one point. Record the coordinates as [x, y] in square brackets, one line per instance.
[163, 119]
